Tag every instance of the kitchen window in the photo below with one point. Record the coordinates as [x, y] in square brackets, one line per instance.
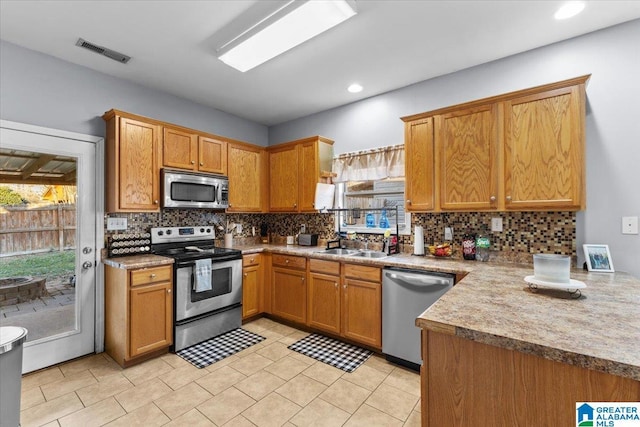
[371, 179]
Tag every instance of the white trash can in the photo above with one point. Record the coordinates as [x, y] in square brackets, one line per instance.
[11, 340]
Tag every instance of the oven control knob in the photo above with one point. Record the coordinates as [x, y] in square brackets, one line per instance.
[202, 230]
[160, 233]
[208, 230]
[168, 232]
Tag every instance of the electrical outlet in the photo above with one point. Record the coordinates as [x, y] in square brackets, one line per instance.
[303, 228]
[496, 224]
[629, 225]
[116, 224]
[448, 234]
[239, 229]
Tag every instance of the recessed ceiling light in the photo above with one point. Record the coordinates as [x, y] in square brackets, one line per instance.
[569, 9]
[355, 88]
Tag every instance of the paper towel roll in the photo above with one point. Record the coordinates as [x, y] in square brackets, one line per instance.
[418, 240]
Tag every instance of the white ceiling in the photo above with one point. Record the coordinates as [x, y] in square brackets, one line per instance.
[387, 45]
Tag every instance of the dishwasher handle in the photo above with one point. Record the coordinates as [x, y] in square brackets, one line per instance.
[422, 280]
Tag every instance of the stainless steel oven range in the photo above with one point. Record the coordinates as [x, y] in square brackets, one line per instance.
[207, 283]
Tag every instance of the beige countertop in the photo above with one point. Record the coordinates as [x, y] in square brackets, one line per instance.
[492, 304]
[137, 261]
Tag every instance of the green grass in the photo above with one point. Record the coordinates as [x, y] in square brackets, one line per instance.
[49, 264]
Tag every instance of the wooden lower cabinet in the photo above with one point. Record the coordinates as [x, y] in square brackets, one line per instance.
[324, 300]
[138, 312]
[466, 383]
[362, 311]
[252, 285]
[289, 287]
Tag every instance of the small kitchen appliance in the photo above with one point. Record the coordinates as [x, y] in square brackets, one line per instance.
[207, 283]
[308, 240]
[193, 190]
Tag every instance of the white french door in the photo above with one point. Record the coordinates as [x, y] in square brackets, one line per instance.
[62, 323]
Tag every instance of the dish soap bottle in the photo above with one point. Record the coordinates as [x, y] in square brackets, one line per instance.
[483, 244]
[370, 220]
[384, 221]
[469, 246]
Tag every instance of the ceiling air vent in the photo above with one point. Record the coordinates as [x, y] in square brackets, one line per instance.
[116, 56]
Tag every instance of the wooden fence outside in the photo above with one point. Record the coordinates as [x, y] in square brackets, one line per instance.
[25, 230]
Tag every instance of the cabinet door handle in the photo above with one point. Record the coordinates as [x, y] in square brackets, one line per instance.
[408, 201]
[344, 286]
[335, 285]
[295, 205]
[251, 260]
[286, 261]
[152, 275]
[193, 162]
[168, 291]
[508, 198]
[492, 198]
[245, 274]
[302, 278]
[155, 202]
[201, 164]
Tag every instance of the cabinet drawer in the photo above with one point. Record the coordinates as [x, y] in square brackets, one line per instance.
[144, 276]
[289, 261]
[251, 259]
[362, 272]
[323, 266]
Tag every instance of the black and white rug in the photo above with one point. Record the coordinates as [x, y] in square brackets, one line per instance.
[212, 350]
[332, 352]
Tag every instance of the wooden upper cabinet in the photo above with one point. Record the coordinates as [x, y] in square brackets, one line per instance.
[518, 151]
[179, 149]
[212, 155]
[133, 159]
[186, 150]
[467, 166]
[544, 150]
[294, 170]
[247, 178]
[283, 179]
[419, 161]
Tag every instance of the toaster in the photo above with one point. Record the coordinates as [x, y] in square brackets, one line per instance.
[308, 240]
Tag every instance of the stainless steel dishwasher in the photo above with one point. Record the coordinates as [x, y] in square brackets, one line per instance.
[405, 295]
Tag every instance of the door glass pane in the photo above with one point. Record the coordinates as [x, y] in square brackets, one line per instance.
[38, 242]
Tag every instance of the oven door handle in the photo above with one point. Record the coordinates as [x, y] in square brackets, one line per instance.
[214, 261]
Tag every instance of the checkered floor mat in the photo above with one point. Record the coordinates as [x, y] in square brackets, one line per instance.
[210, 351]
[332, 352]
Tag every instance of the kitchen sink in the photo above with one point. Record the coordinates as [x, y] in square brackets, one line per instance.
[369, 254]
[338, 251]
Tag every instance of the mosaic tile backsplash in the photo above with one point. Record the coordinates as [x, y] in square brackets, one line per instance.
[524, 233]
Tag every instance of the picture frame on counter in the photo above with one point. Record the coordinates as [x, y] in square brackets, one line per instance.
[598, 258]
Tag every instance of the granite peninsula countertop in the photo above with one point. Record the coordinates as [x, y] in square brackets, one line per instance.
[491, 304]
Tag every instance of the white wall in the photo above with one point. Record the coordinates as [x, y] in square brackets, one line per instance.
[611, 55]
[42, 90]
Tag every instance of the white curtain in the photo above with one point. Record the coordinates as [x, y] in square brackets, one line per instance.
[369, 165]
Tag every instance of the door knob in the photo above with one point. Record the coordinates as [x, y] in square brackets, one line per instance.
[87, 265]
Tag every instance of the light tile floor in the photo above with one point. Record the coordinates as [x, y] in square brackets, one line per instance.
[264, 385]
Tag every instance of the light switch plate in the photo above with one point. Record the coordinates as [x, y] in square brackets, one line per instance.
[448, 234]
[116, 224]
[629, 225]
[496, 224]
[239, 228]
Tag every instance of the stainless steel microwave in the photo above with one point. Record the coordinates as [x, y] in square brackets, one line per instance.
[194, 190]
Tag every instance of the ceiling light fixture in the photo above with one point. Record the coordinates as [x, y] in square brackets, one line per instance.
[569, 9]
[354, 88]
[293, 24]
